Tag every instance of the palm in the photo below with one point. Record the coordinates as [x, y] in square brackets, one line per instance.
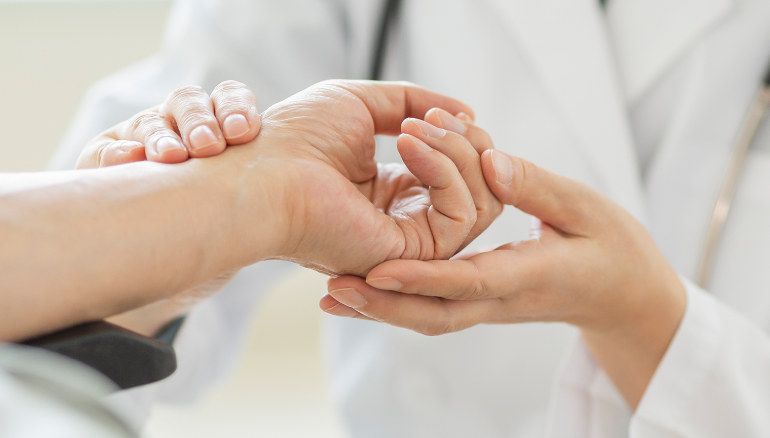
[354, 213]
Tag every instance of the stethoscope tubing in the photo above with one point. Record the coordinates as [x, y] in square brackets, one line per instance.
[721, 210]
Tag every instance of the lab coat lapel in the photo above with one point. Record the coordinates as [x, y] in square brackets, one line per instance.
[566, 42]
[649, 35]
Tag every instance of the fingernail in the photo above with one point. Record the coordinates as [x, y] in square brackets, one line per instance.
[202, 137]
[384, 283]
[235, 126]
[464, 117]
[428, 129]
[342, 311]
[451, 123]
[420, 143]
[349, 297]
[166, 144]
[503, 168]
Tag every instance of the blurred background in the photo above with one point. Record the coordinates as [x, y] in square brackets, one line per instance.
[50, 52]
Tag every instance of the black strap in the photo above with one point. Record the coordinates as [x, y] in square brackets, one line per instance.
[168, 333]
[389, 18]
[127, 358]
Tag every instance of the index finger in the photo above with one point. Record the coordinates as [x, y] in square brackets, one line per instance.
[390, 103]
[486, 275]
[350, 297]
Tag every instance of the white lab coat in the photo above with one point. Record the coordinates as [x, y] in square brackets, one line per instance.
[642, 104]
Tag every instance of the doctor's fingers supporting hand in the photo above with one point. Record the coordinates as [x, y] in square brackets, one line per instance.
[190, 123]
[591, 264]
[229, 102]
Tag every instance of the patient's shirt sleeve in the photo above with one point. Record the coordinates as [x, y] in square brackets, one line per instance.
[714, 381]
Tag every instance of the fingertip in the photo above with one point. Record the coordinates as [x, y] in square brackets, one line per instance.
[394, 274]
[235, 126]
[384, 283]
[122, 152]
[327, 302]
[239, 128]
[236, 110]
[333, 307]
[445, 120]
[408, 144]
[205, 141]
[168, 150]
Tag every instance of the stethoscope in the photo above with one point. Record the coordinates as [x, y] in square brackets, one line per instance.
[740, 148]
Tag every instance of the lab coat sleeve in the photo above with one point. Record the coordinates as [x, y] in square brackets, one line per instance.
[275, 47]
[714, 381]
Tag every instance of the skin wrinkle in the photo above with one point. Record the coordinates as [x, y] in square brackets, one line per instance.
[386, 209]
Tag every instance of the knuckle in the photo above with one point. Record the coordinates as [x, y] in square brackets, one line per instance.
[474, 289]
[233, 96]
[521, 171]
[194, 117]
[443, 326]
[232, 103]
[486, 139]
[479, 139]
[146, 124]
[186, 93]
[464, 152]
[229, 87]
[495, 208]
[489, 207]
[471, 215]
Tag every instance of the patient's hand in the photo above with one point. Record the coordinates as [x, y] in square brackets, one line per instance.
[589, 263]
[342, 212]
[188, 124]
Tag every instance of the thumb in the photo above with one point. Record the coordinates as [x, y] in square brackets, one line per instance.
[565, 204]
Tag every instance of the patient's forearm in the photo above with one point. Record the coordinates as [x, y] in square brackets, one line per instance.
[84, 245]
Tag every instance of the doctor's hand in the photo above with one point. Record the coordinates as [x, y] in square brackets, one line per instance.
[189, 124]
[589, 263]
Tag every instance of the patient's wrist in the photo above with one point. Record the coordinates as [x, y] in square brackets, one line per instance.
[255, 222]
